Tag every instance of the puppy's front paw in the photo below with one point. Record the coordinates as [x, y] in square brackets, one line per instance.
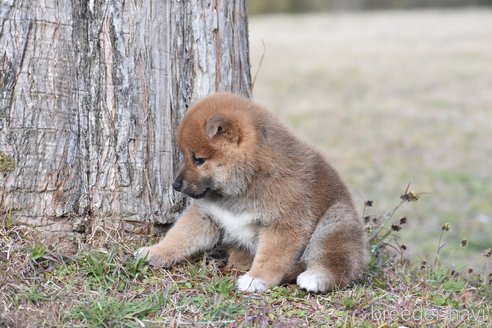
[151, 257]
[142, 253]
[314, 281]
[247, 283]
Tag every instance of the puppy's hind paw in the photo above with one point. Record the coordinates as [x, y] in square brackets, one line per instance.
[247, 283]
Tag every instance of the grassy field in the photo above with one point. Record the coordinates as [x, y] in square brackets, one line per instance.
[98, 283]
[389, 98]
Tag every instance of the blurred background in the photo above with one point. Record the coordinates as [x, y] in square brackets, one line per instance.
[391, 92]
[299, 6]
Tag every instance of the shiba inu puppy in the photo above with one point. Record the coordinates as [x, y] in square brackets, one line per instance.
[281, 209]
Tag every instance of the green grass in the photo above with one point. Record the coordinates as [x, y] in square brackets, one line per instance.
[106, 311]
[102, 285]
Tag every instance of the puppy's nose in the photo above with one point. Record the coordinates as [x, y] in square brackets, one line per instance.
[177, 184]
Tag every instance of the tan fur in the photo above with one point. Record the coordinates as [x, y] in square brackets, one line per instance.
[267, 195]
[238, 260]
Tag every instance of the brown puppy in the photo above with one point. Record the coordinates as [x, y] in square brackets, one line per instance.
[283, 211]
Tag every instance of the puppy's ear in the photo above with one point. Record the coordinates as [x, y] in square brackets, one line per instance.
[218, 125]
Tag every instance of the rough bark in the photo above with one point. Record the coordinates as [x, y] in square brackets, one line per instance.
[91, 93]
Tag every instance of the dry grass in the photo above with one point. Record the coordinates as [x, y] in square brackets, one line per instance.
[97, 283]
[392, 97]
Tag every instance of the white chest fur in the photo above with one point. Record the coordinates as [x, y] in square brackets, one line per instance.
[238, 228]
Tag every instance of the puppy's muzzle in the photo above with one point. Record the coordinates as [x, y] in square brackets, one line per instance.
[177, 185]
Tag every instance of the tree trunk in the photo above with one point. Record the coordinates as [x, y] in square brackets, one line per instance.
[91, 92]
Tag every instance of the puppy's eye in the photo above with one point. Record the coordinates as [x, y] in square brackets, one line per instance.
[198, 161]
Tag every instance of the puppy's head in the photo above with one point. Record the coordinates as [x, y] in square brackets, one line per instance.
[215, 138]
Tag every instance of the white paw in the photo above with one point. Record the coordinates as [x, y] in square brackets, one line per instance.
[314, 281]
[246, 283]
[142, 253]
